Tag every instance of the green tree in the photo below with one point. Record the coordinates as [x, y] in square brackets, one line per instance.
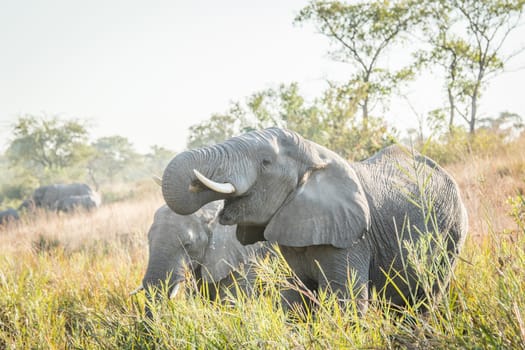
[157, 159]
[329, 120]
[112, 155]
[217, 128]
[362, 34]
[271, 107]
[46, 146]
[466, 39]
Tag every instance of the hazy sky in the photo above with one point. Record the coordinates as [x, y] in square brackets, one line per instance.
[149, 70]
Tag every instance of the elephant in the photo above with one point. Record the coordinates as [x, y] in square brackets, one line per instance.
[8, 215]
[198, 243]
[346, 228]
[48, 196]
[69, 204]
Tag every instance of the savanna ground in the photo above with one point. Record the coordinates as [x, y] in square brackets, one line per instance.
[65, 279]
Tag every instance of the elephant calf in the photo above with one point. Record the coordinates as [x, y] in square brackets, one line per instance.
[8, 215]
[199, 243]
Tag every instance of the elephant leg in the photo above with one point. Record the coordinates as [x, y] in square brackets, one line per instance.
[298, 291]
[298, 294]
[344, 272]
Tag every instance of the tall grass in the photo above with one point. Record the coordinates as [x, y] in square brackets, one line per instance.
[65, 279]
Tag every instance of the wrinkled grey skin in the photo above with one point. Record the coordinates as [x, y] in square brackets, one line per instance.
[331, 219]
[8, 215]
[197, 243]
[48, 196]
[69, 204]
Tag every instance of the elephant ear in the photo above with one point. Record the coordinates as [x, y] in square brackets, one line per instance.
[329, 207]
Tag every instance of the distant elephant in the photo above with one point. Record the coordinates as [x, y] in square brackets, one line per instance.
[48, 196]
[337, 224]
[198, 243]
[8, 215]
[69, 204]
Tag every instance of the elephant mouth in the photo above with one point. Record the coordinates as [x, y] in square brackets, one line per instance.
[233, 208]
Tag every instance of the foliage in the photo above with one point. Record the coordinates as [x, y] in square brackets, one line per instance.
[47, 147]
[453, 145]
[329, 120]
[361, 34]
[217, 128]
[466, 38]
[158, 158]
[111, 157]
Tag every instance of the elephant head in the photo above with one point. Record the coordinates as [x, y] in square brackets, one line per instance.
[276, 185]
[194, 243]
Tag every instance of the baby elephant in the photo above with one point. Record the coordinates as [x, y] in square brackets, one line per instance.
[198, 243]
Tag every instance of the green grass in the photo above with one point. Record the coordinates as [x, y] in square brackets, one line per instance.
[57, 299]
[64, 284]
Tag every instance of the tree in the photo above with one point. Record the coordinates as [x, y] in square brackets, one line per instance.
[157, 159]
[329, 120]
[47, 145]
[217, 128]
[362, 34]
[112, 155]
[466, 38]
[262, 109]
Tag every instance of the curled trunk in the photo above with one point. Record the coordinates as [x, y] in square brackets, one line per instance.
[194, 178]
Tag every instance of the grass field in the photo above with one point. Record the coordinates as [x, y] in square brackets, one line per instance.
[65, 279]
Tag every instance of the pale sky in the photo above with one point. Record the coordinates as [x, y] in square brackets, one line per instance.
[147, 70]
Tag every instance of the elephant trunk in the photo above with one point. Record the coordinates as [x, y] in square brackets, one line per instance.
[162, 278]
[185, 184]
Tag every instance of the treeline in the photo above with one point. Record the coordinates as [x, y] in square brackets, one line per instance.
[45, 150]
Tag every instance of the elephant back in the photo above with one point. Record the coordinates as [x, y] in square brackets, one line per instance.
[48, 196]
[411, 194]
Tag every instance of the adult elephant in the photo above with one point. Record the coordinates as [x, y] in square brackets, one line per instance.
[71, 203]
[197, 243]
[49, 195]
[337, 224]
[8, 215]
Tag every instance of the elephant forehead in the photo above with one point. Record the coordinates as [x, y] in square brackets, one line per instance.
[167, 220]
[273, 137]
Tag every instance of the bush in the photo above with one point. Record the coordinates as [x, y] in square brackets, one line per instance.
[454, 147]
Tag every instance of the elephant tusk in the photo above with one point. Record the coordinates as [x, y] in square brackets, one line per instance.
[139, 288]
[175, 291]
[226, 188]
[157, 180]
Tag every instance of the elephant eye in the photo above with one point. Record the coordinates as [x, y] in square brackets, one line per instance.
[266, 162]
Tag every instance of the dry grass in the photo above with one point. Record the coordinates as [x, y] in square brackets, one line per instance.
[124, 221]
[487, 182]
